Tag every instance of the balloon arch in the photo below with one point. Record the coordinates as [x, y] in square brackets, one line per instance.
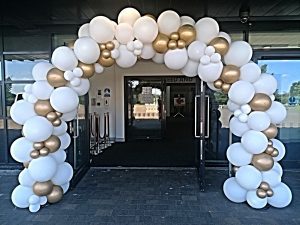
[195, 48]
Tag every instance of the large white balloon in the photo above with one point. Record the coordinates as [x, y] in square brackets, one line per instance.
[241, 92]
[281, 149]
[232, 106]
[266, 84]
[40, 70]
[126, 58]
[102, 29]
[158, 58]
[84, 30]
[63, 174]
[86, 50]
[64, 58]
[168, 22]
[20, 150]
[282, 196]
[190, 69]
[37, 129]
[25, 178]
[187, 20]
[124, 33]
[277, 112]
[207, 29]
[233, 191]
[258, 120]
[272, 177]
[128, 15]
[148, 52]
[145, 29]
[250, 72]
[20, 196]
[239, 54]
[61, 129]
[196, 50]
[69, 115]
[210, 72]
[237, 155]
[60, 156]
[248, 177]
[64, 99]
[65, 141]
[238, 128]
[277, 168]
[43, 168]
[176, 59]
[254, 142]
[254, 201]
[42, 90]
[82, 88]
[21, 111]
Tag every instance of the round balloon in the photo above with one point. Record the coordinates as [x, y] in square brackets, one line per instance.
[84, 30]
[281, 149]
[25, 178]
[248, 177]
[64, 58]
[207, 29]
[21, 111]
[126, 58]
[250, 72]
[128, 15]
[168, 22]
[69, 115]
[237, 155]
[64, 99]
[42, 90]
[37, 129]
[258, 121]
[86, 50]
[196, 50]
[65, 141]
[241, 92]
[148, 52]
[65, 187]
[20, 150]
[238, 128]
[20, 196]
[277, 112]
[282, 196]
[60, 156]
[233, 191]
[40, 70]
[82, 88]
[210, 72]
[145, 29]
[239, 54]
[254, 142]
[232, 106]
[34, 207]
[43, 168]
[190, 69]
[63, 174]
[254, 201]
[124, 33]
[225, 35]
[187, 20]
[101, 29]
[158, 58]
[61, 129]
[176, 59]
[266, 84]
[272, 177]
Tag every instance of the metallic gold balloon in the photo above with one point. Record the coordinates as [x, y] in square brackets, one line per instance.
[275, 153]
[106, 62]
[71, 44]
[59, 114]
[261, 193]
[172, 44]
[102, 47]
[262, 161]
[269, 150]
[260, 102]
[105, 54]
[271, 131]
[42, 188]
[88, 69]
[218, 84]
[110, 45]
[264, 185]
[51, 116]
[55, 195]
[181, 43]
[55, 78]
[44, 151]
[174, 36]
[230, 74]
[43, 107]
[38, 145]
[225, 87]
[52, 143]
[220, 44]
[187, 33]
[270, 142]
[270, 193]
[56, 122]
[26, 164]
[160, 44]
[34, 154]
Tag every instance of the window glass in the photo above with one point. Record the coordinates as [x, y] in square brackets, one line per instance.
[13, 92]
[3, 149]
[63, 39]
[14, 131]
[26, 43]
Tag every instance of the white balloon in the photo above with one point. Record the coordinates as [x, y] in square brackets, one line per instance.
[82, 88]
[209, 50]
[64, 58]
[225, 35]
[20, 196]
[69, 75]
[196, 50]
[77, 72]
[65, 187]
[232, 106]
[84, 30]
[124, 33]
[101, 29]
[34, 199]
[128, 15]
[250, 72]
[145, 29]
[237, 155]
[246, 108]
[64, 99]
[65, 140]
[190, 69]
[254, 201]
[243, 117]
[60, 156]
[238, 128]
[241, 92]
[40, 70]
[176, 59]
[137, 52]
[61, 129]
[239, 54]
[37, 129]
[20, 150]
[271, 177]
[277, 112]
[210, 72]
[248, 177]
[43, 200]
[63, 174]
[86, 50]
[237, 112]
[99, 68]
[281, 149]
[258, 120]
[168, 22]
[148, 52]
[69, 115]
[43, 168]
[187, 20]
[207, 29]
[114, 54]
[277, 168]
[25, 178]
[130, 46]
[212, 87]
[282, 196]
[126, 58]
[266, 84]
[233, 191]
[32, 99]
[158, 58]
[42, 90]
[254, 142]
[34, 207]
[21, 111]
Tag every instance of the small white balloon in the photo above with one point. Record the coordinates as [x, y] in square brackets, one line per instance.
[215, 58]
[99, 68]
[246, 108]
[148, 52]
[187, 20]
[32, 99]
[37, 129]
[34, 199]
[196, 50]
[207, 29]
[84, 30]
[254, 201]
[233, 191]
[145, 29]
[75, 82]
[69, 75]
[250, 72]
[64, 58]
[168, 22]
[248, 177]
[176, 59]
[266, 84]
[126, 59]
[69, 115]
[25, 178]
[272, 177]
[277, 112]
[282, 196]
[190, 69]
[20, 149]
[101, 29]
[64, 99]
[158, 58]
[61, 129]
[40, 70]
[65, 141]
[258, 120]
[237, 155]
[43, 200]
[241, 92]
[124, 33]
[20, 196]
[237, 112]
[243, 118]
[78, 72]
[205, 60]
[60, 156]
[21, 111]
[209, 50]
[232, 106]
[130, 46]
[281, 149]
[86, 50]
[42, 90]
[128, 15]
[137, 44]
[254, 142]
[63, 174]
[34, 207]
[238, 128]
[239, 54]
[83, 87]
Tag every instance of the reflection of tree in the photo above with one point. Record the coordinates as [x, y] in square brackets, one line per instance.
[221, 98]
[283, 97]
[9, 96]
[295, 89]
[264, 68]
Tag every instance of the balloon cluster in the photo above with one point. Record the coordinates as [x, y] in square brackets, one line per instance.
[194, 48]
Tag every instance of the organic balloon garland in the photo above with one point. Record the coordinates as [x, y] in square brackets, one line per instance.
[181, 44]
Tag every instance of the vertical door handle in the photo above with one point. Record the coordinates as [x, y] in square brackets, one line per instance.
[207, 116]
[75, 136]
[196, 115]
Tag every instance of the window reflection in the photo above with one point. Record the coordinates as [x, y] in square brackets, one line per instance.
[13, 92]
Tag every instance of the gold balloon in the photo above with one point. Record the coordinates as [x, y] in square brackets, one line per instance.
[225, 87]
[42, 188]
[260, 102]
[172, 44]
[43, 107]
[220, 44]
[110, 45]
[270, 142]
[88, 69]
[38, 145]
[269, 150]
[160, 44]
[71, 44]
[44, 151]
[59, 114]
[105, 54]
[102, 47]
[230, 74]
[26, 164]
[271, 131]
[187, 33]
[181, 43]
[34, 154]
[218, 84]
[106, 62]
[56, 122]
[262, 161]
[55, 195]
[270, 193]
[52, 143]
[51, 116]
[261, 193]
[264, 185]
[174, 36]
[55, 78]
[275, 153]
